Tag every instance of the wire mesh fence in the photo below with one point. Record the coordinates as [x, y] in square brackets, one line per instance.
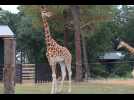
[40, 73]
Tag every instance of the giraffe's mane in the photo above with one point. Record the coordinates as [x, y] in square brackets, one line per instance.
[126, 44]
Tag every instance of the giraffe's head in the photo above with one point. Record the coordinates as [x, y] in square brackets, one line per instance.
[121, 44]
[115, 42]
[45, 13]
[118, 43]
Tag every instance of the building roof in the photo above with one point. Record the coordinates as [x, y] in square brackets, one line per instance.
[5, 31]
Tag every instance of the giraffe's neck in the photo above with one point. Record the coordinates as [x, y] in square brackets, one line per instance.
[129, 48]
[47, 33]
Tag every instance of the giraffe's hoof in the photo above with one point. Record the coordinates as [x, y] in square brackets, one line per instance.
[52, 92]
[59, 90]
[69, 90]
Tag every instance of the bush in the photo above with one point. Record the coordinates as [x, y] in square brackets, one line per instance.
[116, 70]
[98, 71]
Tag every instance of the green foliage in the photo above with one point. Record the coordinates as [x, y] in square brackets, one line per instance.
[122, 70]
[31, 34]
[101, 40]
[98, 71]
[106, 22]
[10, 19]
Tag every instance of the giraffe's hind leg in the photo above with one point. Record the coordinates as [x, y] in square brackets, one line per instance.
[63, 73]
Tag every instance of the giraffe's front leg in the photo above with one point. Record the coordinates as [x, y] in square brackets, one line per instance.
[54, 83]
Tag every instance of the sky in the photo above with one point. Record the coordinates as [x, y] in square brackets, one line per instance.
[13, 8]
[10, 8]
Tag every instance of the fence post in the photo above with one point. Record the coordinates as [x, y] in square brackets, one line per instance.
[9, 65]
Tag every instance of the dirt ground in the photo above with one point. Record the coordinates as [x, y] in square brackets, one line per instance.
[103, 86]
[114, 81]
[102, 81]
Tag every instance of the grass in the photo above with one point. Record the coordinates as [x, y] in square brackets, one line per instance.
[93, 87]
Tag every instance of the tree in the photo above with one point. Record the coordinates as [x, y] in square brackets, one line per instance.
[68, 27]
[91, 16]
[75, 9]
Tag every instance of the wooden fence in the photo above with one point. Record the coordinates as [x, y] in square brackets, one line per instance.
[1, 72]
[28, 72]
[37, 73]
[18, 73]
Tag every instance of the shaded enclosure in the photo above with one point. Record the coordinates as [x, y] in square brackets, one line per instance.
[42, 73]
[1, 58]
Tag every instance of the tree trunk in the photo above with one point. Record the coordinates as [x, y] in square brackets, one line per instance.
[67, 18]
[86, 65]
[75, 9]
[65, 38]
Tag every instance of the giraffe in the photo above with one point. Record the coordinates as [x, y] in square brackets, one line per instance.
[122, 44]
[56, 54]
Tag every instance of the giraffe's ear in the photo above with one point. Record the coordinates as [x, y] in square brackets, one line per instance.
[115, 42]
[118, 39]
[42, 7]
